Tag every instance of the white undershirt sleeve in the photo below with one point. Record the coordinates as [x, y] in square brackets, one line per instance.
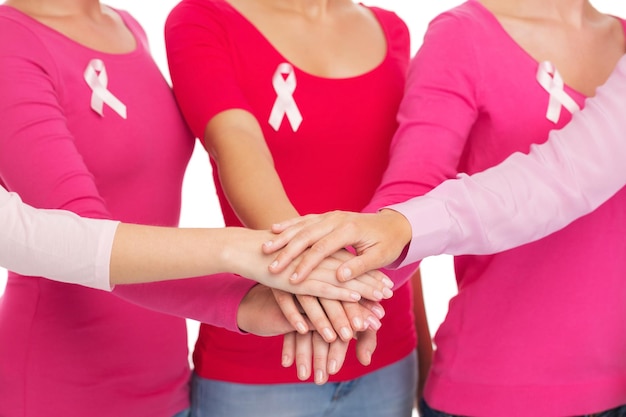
[55, 244]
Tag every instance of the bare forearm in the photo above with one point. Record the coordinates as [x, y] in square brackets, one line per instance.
[144, 253]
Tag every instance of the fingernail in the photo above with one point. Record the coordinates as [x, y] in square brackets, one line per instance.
[357, 323]
[387, 292]
[388, 283]
[268, 244]
[346, 273]
[286, 361]
[319, 376]
[293, 276]
[273, 264]
[378, 311]
[368, 357]
[355, 296]
[302, 372]
[328, 334]
[301, 327]
[332, 367]
[346, 334]
[378, 295]
[373, 322]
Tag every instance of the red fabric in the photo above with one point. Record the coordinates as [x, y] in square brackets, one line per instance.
[335, 160]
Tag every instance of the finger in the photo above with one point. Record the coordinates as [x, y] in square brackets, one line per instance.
[320, 288]
[320, 359]
[322, 282]
[372, 285]
[342, 256]
[318, 250]
[376, 308]
[371, 259]
[281, 239]
[286, 231]
[289, 349]
[325, 284]
[304, 351]
[338, 318]
[285, 224]
[361, 317]
[316, 243]
[290, 310]
[316, 315]
[365, 346]
[337, 355]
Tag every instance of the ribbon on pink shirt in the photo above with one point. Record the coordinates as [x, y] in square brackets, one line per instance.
[550, 79]
[96, 77]
[284, 82]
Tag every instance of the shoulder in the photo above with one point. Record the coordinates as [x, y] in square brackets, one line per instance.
[396, 30]
[463, 34]
[191, 20]
[200, 11]
[467, 19]
[17, 24]
[388, 18]
[132, 24]
[22, 36]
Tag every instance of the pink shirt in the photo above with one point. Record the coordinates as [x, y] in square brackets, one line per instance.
[58, 244]
[527, 197]
[67, 349]
[535, 330]
[220, 61]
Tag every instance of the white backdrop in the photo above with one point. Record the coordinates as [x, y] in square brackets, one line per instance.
[200, 206]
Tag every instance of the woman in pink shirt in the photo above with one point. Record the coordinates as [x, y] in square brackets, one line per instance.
[535, 330]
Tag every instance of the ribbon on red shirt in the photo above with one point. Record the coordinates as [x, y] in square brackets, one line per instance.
[284, 82]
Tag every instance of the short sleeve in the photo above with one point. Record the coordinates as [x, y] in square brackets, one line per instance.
[200, 62]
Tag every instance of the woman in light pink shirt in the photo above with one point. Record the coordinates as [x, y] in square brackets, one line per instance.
[534, 330]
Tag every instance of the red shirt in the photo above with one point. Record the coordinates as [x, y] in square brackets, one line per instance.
[334, 160]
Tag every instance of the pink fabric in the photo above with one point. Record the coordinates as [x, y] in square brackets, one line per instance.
[54, 243]
[527, 197]
[219, 61]
[535, 330]
[65, 349]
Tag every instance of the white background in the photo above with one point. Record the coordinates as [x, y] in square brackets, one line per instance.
[200, 207]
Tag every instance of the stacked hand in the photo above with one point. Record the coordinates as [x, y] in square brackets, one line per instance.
[378, 240]
[323, 317]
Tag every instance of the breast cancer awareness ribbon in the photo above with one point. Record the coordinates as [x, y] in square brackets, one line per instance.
[284, 82]
[551, 81]
[97, 79]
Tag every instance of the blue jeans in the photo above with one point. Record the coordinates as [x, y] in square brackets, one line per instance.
[426, 411]
[184, 413]
[614, 412]
[386, 392]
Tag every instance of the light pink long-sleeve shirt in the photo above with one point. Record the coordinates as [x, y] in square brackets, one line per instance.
[53, 243]
[538, 329]
[528, 196]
